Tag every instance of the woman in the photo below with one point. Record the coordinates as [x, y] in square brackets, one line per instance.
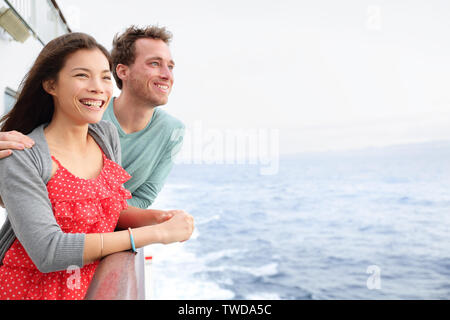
[64, 197]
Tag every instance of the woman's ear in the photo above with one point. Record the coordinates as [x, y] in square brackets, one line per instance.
[49, 86]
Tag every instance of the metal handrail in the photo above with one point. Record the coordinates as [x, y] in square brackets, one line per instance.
[119, 276]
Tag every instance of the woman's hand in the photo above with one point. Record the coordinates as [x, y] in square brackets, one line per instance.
[178, 228]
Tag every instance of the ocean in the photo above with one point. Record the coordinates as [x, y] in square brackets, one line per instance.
[366, 224]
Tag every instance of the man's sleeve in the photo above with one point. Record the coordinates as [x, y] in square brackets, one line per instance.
[146, 194]
[30, 213]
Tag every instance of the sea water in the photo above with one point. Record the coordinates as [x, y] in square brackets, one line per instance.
[367, 224]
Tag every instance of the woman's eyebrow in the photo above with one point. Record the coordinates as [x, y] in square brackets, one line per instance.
[86, 69]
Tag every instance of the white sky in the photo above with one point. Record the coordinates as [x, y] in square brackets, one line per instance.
[327, 74]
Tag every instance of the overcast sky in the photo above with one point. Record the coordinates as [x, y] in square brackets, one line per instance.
[327, 74]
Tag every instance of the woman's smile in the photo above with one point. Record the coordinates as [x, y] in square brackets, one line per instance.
[93, 104]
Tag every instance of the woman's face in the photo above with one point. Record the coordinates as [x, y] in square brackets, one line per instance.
[83, 88]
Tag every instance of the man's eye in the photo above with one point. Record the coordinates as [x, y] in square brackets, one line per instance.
[154, 63]
[171, 67]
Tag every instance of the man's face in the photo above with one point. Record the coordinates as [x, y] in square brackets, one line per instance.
[150, 77]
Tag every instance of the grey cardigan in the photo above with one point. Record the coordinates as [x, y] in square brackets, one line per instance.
[23, 179]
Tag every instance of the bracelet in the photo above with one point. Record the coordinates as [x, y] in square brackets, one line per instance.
[132, 241]
[101, 250]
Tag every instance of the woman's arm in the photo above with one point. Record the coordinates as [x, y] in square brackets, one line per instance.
[30, 214]
[177, 229]
[134, 217]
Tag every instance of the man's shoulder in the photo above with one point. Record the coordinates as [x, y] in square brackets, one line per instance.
[169, 121]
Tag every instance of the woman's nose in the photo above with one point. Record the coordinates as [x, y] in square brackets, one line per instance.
[96, 86]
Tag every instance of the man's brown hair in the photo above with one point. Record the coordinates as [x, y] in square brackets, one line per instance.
[124, 50]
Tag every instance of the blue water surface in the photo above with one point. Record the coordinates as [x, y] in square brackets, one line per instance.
[315, 230]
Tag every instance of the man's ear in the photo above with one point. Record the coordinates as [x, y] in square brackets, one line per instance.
[49, 86]
[122, 71]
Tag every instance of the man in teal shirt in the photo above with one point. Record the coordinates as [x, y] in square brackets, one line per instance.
[147, 153]
[149, 137]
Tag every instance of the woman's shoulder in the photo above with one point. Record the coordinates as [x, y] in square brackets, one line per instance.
[37, 158]
[106, 131]
[106, 135]
[104, 128]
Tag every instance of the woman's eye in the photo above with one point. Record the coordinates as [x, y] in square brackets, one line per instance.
[107, 77]
[81, 75]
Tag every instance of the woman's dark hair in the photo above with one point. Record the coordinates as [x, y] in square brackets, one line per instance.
[34, 106]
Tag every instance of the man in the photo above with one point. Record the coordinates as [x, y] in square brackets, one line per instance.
[149, 137]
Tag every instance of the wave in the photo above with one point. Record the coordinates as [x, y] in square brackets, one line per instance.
[173, 273]
[207, 220]
[266, 270]
[263, 296]
[217, 255]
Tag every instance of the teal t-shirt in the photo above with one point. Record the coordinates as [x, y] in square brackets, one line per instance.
[147, 155]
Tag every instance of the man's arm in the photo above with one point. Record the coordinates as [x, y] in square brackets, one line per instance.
[133, 217]
[13, 140]
[146, 194]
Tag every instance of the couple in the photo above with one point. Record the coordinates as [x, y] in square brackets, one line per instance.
[69, 202]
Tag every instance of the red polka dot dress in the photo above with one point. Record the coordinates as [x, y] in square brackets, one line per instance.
[79, 206]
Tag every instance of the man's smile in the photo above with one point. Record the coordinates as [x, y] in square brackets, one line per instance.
[162, 87]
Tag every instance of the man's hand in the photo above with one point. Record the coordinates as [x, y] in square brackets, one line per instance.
[13, 140]
[160, 216]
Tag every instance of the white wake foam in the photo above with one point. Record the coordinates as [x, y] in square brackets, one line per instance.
[171, 275]
[265, 270]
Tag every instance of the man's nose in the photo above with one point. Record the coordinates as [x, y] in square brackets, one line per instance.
[166, 73]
